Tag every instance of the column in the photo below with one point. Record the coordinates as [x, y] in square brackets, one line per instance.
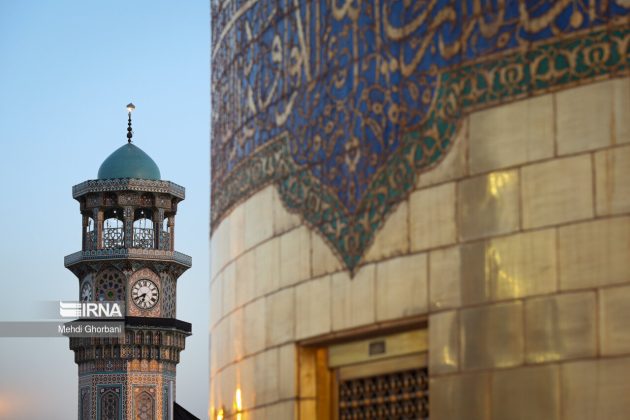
[128, 217]
[98, 227]
[171, 229]
[158, 221]
[84, 225]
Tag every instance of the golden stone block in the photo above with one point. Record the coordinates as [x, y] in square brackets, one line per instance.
[245, 278]
[280, 319]
[228, 384]
[488, 205]
[453, 166]
[584, 117]
[491, 336]
[526, 394]
[254, 326]
[229, 289]
[355, 354]
[594, 253]
[392, 239]
[285, 410]
[621, 109]
[220, 344]
[401, 287]
[444, 278]
[245, 383]
[557, 191]
[460, 397]
[287, 373]
[307, 409]
[234, 234]
[313, 308]
[267, 266]
[444, 342]
[596, 389]
[509, 267]
[234, 334]
[511, 134]
[353, 301]
[220, 337]
[295, 256]
[324, 261]
[560, 327]
[258, 207]
[614, 313]
[612, 189]
[216, 251]
[216, 299]
[432, 217]
[283, 221]
[307, 372]
[266, 376]
[214, 360]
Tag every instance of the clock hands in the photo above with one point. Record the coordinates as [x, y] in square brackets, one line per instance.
[145, 294]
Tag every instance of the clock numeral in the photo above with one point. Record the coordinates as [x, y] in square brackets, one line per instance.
[145, 293]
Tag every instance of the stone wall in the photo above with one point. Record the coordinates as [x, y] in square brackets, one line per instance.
[516, 248]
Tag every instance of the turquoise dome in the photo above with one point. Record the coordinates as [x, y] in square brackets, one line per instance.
[129, 161]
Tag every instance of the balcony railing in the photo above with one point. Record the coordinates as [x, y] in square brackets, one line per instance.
[123, 253]
[113, 238]
[143, 238]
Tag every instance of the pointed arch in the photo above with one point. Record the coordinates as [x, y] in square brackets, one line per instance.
[109, 405]
[145, 406]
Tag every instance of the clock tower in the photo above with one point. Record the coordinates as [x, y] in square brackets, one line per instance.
[128, 254]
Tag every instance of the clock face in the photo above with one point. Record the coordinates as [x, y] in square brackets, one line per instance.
[86, 292]
[145, 294]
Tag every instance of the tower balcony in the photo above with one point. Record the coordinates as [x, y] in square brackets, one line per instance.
[114, 238]
[105, 254]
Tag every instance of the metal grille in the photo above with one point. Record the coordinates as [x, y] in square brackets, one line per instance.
[398, 395]
[143, 238]
[113, 238]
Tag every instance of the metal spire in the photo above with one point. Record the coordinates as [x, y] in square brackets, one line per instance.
[130, 108]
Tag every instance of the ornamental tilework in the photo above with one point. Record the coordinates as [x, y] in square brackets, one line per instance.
[144, 403]
[110, 285]
[169, 299]
[341, 104]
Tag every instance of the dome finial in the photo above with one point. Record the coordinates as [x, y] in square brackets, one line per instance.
[130, 108]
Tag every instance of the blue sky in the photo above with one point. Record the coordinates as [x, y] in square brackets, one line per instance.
[67, 70]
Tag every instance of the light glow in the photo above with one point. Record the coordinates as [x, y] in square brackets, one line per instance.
[238, 404]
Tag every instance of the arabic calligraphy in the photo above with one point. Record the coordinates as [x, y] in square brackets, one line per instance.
[329, 91]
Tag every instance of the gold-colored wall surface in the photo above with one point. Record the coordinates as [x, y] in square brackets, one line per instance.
[516, 248]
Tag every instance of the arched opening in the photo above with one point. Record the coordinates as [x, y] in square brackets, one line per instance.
[143, 232]
[165, 235]
[110, 405]
[145, 406]
[113, 229]
[90, 233]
